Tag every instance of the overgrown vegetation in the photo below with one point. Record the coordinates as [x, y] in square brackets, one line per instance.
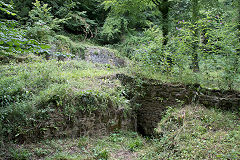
[196, 132]
[48, 90]
[28, 99]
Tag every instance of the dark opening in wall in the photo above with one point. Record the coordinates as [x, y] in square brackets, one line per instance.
[141, 130]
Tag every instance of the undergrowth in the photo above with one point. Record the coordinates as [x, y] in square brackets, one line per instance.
[30, 93]
[196, 132]
[213, 79]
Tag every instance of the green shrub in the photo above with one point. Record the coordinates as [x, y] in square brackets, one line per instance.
[83, 141]
[78, 22]
[135, 144]
[6, 8]
[13, 38]
[40, 152]
[13, 41]
[116, 137]
[101, 154]
[81, 16]
[42, 22]
[113, 29]
[66, 45]
[145, 48]
[20, 154]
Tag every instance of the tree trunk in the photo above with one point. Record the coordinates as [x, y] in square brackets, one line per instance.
[195, 65]
[195, 14]
[164, 9]
[238, 26]
[163, 6]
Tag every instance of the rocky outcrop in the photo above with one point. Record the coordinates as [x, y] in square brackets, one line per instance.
[103, 56]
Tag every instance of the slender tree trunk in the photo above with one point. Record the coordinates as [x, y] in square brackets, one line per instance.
[238, 26]
[164, 9]
[195, 14]
[163, 6]
[238, 34]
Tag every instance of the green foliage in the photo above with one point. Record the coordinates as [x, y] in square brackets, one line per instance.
[116, 137]
[21, 7]
[195, 132]
[82, 15]
[20, 154]
[101, 155]
[65, 45]
[6, 8]
[40, 152]
[208, 37]
[78, 22]
[145, 48]
[13, 40]
[135, 145]
[125, 16]
[217, 53]
[83, 141]
[222, 43]
[42, 22]
[149, 49]
[134, 8]
[113, 29]
[41, 12]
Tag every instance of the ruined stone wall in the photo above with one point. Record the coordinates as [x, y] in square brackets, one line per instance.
[85, 123]
[155, 97]
[82, 123]
[158, 97]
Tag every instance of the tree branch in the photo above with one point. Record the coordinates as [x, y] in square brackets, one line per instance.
[156, 2]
